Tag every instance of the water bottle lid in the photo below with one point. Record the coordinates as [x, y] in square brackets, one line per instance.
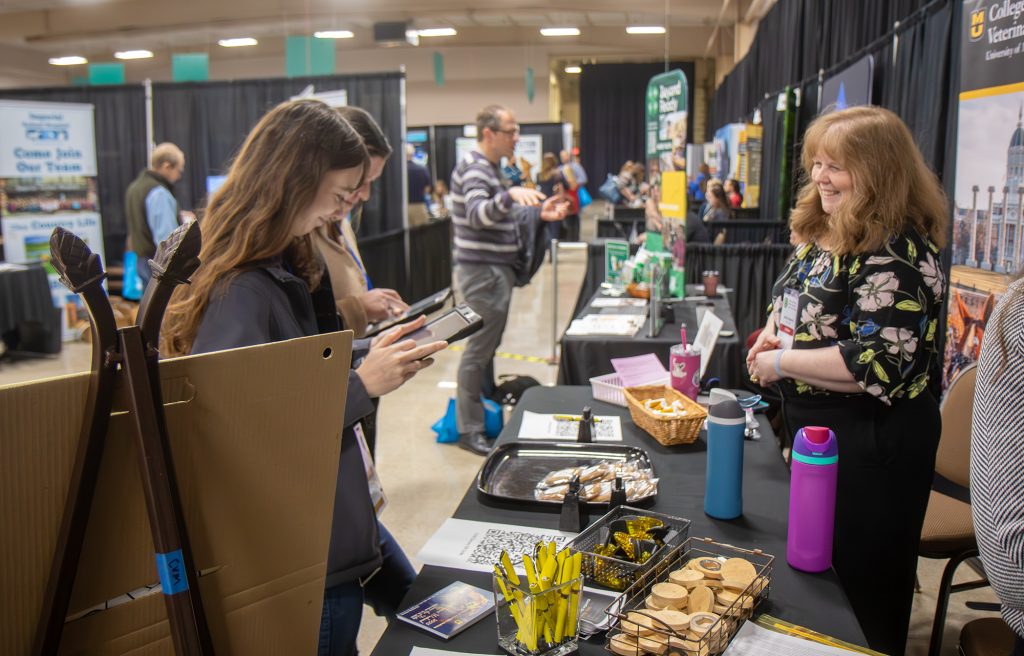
[726, 411]
[816, 434]
[815, 445]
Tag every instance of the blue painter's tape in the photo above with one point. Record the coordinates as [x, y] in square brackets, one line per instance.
[171, 567]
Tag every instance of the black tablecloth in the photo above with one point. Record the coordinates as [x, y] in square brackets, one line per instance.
[28, 320]
[584, 357]
[813, 600]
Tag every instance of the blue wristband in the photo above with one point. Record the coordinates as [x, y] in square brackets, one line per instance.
[778, 363]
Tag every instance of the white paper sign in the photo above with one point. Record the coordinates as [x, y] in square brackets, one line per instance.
[477, 546]
[707, 335]
[46, 139]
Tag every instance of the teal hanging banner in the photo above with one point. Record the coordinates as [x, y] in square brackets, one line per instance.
[306, 55]
[438, 69]
[529, 84]
[106, 73]
[190, 67]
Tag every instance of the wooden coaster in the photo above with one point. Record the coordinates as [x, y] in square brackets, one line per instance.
[673, 619]
[738, 569]
[686, 577]
[637, 624]
[652, 645]
[726, 598]
[701, 622]
[734, 585]
[701, 600]
[710, 567]
[669, 595]
[652, 604]
[714, 584]
[623, 644]
[689, 647]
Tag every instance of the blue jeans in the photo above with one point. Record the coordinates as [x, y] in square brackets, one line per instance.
[343, 603]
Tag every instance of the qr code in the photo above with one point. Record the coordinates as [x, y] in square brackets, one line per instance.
[494, 540]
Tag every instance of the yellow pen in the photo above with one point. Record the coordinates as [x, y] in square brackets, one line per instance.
[510, 571]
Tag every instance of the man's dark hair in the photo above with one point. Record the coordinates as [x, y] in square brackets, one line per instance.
[489, 117]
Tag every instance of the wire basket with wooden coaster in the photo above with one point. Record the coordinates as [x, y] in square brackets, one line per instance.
[665, 414]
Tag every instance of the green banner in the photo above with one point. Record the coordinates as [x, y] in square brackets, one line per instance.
[190, 67]
[106, 73]
[438, 69]
[306, 55]
[529, 84]
[666, 124]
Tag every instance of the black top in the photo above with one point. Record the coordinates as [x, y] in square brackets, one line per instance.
[419, 181]
[881, 309]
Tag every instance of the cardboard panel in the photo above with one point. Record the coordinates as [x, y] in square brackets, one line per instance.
[256, 438]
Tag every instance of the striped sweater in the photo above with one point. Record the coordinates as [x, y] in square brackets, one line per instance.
[997, 457]
[485, 225]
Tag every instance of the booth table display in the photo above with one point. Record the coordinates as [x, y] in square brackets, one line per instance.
[812, 600]
[587, 356]
[28, 320]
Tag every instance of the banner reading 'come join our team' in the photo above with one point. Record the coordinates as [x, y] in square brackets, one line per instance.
[47, 179]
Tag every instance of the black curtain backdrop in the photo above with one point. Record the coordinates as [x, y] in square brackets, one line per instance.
[430, 259]
[612, 115]
[120, 115]
[209, 121]
[445, 135]
[818, 34]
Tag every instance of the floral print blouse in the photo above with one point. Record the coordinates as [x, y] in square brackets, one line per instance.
[880, 308]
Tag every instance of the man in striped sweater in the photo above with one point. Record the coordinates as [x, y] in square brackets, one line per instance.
[488, 217]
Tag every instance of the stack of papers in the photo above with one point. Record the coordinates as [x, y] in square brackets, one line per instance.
[640, 370]
[625, 325]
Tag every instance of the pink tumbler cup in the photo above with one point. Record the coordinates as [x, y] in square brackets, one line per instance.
[684, 367]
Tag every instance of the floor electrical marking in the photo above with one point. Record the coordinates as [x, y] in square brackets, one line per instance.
[507, 356]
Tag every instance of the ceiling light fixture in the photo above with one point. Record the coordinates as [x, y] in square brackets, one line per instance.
[71, 60]
[645, 29]
[437, 31]
[573, 70]
[133, 54]
[334, 34]
[238, 42]
[559, 31]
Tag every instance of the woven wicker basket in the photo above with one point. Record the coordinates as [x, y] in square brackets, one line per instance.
[667, 431]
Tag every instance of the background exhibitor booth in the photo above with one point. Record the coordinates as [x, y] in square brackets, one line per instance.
[47, 179]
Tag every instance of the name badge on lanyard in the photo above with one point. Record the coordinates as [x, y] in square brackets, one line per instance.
[372, 480]
[788, 316]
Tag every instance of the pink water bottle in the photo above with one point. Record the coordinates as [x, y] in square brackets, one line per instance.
[812, 499]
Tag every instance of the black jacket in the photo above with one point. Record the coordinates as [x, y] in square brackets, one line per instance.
[270, 304]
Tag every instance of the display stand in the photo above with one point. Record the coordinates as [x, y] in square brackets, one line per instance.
[134, 351]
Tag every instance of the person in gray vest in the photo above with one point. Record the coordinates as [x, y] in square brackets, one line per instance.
[150, 207]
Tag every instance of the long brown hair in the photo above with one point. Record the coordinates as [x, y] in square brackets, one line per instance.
[893, 188]
[274, 177]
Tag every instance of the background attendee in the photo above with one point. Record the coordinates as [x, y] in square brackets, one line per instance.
[358, 301]
[695, 231]
[442, 198]
[418, 188]
[858, 350]
[575, 177]
[732, 193]
[997, 457]
[261, 281]
[150, 207]
[551, 183]
[485, 216]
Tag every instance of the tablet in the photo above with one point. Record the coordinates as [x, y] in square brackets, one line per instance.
[432, 303]
[455, 324]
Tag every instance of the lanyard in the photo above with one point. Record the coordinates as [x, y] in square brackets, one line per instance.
[351, 251]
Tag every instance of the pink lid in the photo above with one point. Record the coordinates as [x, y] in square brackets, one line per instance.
[816, 434]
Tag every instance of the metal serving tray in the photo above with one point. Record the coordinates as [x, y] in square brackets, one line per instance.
[512, 470]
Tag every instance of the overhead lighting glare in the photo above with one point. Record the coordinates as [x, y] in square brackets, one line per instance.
[438, 31]
[645, 29]
[238, 43]
[334, 34]
[574, 70]
[73, 60]
[134, 54]
[559, 31]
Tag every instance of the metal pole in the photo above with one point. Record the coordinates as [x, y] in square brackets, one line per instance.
[554, 302]
[147, 84]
